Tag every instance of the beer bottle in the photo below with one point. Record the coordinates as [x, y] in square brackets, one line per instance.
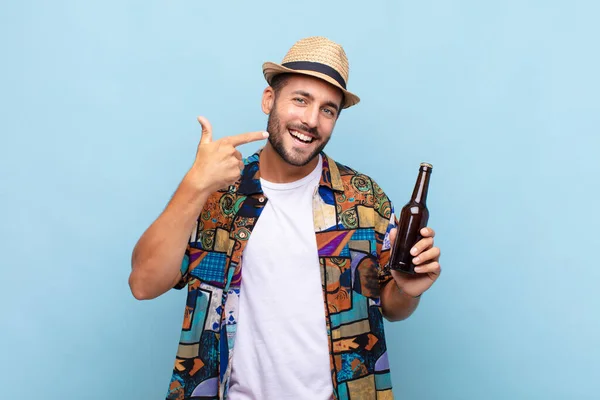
[413, 218]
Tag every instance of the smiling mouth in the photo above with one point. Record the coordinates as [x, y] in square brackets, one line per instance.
[301, 137]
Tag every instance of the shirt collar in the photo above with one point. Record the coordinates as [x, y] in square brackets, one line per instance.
[250, 180]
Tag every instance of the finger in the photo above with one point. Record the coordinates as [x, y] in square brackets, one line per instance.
[237, 155]
[247, 138]
[241, 165]
[433, 268]
[427, 232]
[421, 246]
[431, 254]
[206, 131]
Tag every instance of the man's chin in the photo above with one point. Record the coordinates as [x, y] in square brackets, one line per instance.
[300, 160]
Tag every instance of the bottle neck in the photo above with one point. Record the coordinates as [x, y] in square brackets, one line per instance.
[421, 186]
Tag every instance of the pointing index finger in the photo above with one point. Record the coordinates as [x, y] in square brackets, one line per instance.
[247, 138]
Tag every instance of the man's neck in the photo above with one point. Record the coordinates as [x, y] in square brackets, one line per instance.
[274, 169]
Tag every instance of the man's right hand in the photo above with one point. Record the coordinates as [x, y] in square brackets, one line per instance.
[218, 163]
[156, 258]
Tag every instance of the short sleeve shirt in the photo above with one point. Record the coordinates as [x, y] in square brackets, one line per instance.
[352, 218]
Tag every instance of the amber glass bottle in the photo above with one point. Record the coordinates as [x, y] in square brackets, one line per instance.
[413, 218]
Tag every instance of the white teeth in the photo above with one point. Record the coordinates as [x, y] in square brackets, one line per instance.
[302, 137]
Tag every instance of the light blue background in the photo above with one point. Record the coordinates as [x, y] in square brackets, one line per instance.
[98, 105]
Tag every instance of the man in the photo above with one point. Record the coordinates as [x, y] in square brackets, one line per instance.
[284, 253]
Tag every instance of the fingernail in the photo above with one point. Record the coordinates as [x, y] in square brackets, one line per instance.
[413, 251]
[266, 134]
[418, 269]
[416, 260]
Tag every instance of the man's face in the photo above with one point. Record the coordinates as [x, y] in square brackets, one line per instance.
[302, 118]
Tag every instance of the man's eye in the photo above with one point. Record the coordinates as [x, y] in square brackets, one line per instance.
[327, 110]
[299, 100]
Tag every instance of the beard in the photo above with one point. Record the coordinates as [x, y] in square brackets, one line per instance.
[291, 156]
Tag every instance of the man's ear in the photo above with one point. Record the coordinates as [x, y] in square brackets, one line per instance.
[268, 100]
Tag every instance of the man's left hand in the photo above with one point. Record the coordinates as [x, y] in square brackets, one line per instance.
[427, 265]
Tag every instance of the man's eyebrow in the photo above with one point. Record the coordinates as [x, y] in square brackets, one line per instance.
[329, 103]
[303, 93]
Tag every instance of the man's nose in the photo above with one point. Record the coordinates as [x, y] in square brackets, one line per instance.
[311, 116]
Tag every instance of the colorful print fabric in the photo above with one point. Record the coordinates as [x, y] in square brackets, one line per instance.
[352, 219]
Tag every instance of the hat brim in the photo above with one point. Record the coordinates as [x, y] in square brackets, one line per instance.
[270, 70]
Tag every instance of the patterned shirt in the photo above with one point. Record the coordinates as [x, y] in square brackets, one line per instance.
[352, 220]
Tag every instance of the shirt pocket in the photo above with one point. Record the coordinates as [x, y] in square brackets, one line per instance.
[207, 257]
[350, 273]
[209, 267]
[362, 247]
[364, 265]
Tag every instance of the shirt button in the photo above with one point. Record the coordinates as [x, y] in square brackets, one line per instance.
[261, 199]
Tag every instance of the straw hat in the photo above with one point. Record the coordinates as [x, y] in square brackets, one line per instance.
[319, 57]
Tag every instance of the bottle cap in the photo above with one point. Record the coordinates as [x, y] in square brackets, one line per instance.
[424, 164]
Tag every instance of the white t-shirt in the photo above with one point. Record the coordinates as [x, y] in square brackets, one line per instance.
[281, 349]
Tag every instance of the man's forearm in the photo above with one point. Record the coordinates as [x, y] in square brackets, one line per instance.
[156, 258]
[395, 304]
